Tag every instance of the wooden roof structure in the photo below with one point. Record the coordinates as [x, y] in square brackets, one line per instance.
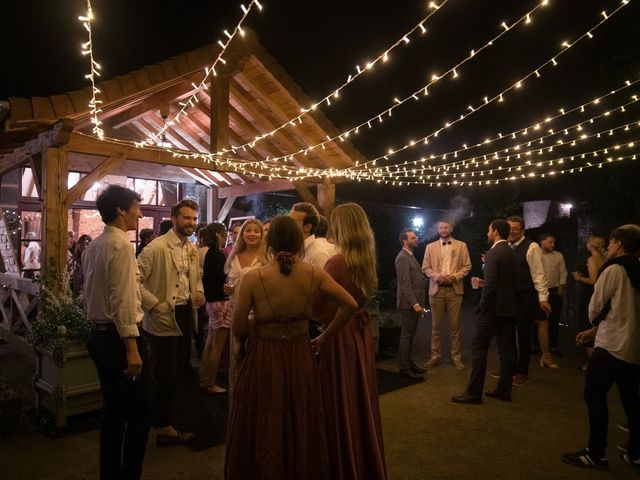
[250, 96]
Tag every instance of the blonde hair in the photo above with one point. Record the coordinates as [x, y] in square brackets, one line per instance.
[354, 238]
[598, 243]
[240, 246]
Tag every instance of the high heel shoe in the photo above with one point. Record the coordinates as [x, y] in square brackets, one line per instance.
[546, 360]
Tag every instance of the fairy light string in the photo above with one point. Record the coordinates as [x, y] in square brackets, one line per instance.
[94, 72]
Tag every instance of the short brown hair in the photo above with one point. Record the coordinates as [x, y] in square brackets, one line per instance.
[404, 234]
[517, 219]
[188, 203]
[311, 215]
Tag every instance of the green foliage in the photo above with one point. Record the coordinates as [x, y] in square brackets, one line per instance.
[61, 317]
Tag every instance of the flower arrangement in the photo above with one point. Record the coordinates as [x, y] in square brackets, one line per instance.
[61, 317]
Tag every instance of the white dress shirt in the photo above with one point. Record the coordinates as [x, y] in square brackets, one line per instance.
[534, 259]
[445, 258]
[314, 253]
[555, 270]
[111, 293]
[183, 295]
[619, 332]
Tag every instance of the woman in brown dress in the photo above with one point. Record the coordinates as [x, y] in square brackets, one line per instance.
[347, 362]
[276, 425]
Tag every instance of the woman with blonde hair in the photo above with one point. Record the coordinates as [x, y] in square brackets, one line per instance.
[347, 361]
[586, 280]
[247, 254]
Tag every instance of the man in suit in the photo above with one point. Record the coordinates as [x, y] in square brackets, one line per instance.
[172, 291]
[410, 301]
[446, 262]
[496, 313]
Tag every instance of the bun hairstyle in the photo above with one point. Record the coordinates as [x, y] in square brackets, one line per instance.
[285, 242]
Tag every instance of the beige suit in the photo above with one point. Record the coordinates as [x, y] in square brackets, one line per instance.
[159, 263]
[446, 300]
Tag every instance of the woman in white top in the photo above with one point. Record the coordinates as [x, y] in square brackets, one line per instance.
[247, 254]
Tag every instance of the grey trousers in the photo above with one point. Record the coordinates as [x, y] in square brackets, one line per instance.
[408, 326]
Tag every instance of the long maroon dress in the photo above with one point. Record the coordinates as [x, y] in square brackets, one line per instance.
[350, 387]
[276, 427]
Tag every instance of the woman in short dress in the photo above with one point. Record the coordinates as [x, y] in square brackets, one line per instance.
[213, 280]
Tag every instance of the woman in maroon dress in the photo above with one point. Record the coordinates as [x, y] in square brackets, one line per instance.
[276, 425]
[347, 362]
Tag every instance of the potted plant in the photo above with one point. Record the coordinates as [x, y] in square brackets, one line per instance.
[66, 381]
[10, 405]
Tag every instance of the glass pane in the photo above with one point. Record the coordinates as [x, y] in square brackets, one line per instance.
[167, 193]
[97, 187]
[28, 184]
[85, 222]
[30, 248]
[73, 178]
[147, 189]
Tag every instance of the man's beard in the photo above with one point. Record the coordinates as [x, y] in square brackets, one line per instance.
[186, 231]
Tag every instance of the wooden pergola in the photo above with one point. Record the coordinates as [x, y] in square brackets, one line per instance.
[251, 96]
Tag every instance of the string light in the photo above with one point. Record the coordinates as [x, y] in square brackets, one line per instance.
[210, 70]
[382, 57]
[87, 49]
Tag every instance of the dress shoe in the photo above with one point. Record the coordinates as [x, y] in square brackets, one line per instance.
[466, 398]
[433, 361]
[182, 438]
[411, 374]
[546, 360]
[505, 397]
[520, 380]
[457, 363]
[418, 369]
[494, 374]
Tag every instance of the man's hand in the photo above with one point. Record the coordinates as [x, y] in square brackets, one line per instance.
[197, 299]
[443, 279]
[586, 336]
[546, 307]
[560, 291]
[418, 309]
[451, 278]
[134, 362]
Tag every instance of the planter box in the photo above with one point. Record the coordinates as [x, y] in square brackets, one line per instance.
[67, 388]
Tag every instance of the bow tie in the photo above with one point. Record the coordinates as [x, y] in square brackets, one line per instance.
[446, 243]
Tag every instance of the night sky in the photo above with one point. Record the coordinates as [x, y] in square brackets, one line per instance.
[320, 43]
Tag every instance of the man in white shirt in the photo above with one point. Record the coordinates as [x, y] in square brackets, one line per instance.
[307, 216]
[321, 238]
[555, 271]
[172, 291]
[532, 294]
[112, 302]
[614, 311]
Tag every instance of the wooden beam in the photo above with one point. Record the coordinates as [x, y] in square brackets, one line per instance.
[306, 194]
[253, 188]
[219, 119]
[55, 208]
[80, 188]
[326, 197]
[226, 208]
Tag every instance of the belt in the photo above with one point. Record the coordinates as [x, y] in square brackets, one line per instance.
[104, 327]
[183, 306]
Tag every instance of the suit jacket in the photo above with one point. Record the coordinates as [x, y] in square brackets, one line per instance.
[410, 281]
[498, 294]
[158, 264]
[460, 264]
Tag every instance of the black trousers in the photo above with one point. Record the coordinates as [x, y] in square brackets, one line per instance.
[503, 329]
[527, 305]
[125, 424]
[408, 326]
[555, 301]
[602, 372]
[168, 357]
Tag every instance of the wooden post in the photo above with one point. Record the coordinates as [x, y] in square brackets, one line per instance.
[219, 112]
[327, 197]
[214, 204]
[55, 208]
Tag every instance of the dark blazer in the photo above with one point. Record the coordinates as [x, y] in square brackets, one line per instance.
[498, 294]
[411, 286]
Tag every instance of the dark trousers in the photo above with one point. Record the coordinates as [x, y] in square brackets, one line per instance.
[408, 326]
[125, 424]
[555, 301]
[504, 330]
[527, 305]
[168, 356]
[602, 372]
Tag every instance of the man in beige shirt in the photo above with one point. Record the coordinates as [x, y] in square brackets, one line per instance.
[172, 291]
[555, 272]
[446, 263]
[112, 302]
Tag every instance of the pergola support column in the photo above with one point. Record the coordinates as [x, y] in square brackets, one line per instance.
[55, 208]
